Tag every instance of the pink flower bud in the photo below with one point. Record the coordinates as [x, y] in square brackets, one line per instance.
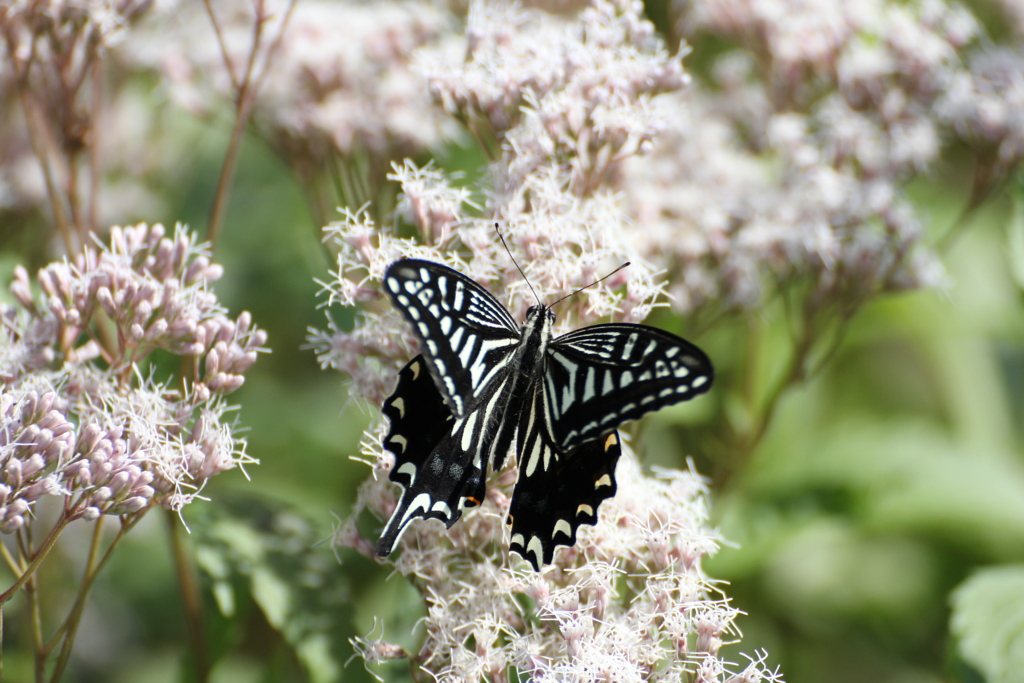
[106, 301]
[57, 308]
[213, 360]
[46, 282]
[12, 524]
[156, 232]
[79, 470]
[91, 513]
[118, 483]
[232, 383]
[186, 327]
[243, 323]
[157, 330]
[88, 438]
[134, 504]
[13, 473]
[244, 362]
[23, 294]
[198, 430]
[143, 311]
[136, 333]
[214, 272]
[101, 496]
[32, 466]
[47, 486]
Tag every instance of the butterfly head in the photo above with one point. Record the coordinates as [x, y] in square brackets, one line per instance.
[538, 310]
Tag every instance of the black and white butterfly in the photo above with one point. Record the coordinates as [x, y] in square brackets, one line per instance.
[484, 384]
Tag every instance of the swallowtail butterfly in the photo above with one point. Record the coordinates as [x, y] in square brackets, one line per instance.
[483, 384]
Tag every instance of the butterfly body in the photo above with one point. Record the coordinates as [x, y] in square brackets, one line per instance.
[484, 385]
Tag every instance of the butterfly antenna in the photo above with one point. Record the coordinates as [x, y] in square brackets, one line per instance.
[595, 282]
[503, 243]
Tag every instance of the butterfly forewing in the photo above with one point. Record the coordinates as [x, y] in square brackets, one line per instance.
[468, 337]
[601, 376]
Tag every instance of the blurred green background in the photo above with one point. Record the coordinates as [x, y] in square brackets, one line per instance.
[884, 483]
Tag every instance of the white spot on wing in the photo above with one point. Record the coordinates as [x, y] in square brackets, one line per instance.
[466, 355]
[588, 385]
[459, 287]
[400, 441]
[699, 382]
[562, 526]
[537, 548]
[630, 342]
[585, 510]
[531, 465]
[469, 432]
[606, 480]
[399, 405]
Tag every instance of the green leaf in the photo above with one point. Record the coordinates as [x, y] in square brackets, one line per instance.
[272, 552]
[988, 619]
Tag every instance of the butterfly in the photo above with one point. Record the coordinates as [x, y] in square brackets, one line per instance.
[484, 384]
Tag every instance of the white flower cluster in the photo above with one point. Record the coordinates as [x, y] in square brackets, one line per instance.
[572, 100]
[628, 602]
[339, 78]
[79, 419]
[790, 166]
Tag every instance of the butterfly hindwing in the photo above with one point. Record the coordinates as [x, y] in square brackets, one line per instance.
[436, 474]
[557, 491]
[467, 336]
[601, 376]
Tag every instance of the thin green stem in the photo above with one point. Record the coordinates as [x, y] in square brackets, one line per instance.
[35, 136]
[244, 99]
[97, 535]
[37, 559]
[192, 599]
[70, 626]
[16, 568]
[35, 616]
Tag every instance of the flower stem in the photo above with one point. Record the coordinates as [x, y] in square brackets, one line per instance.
[70, 626]
[37, 559]
[192, 600]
